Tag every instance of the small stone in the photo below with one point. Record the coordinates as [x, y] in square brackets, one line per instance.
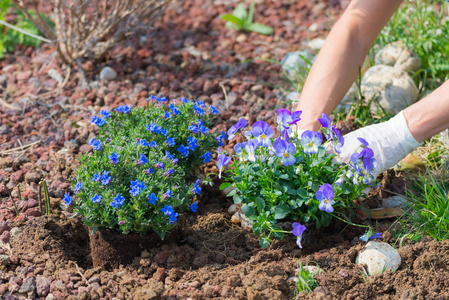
[4, 259]
[232, 209]
[379, 257]
[15, 233]
[32, 177]
[227, 190]
[241, 38]
[107, 73]
[42, 285]
[86, 149]
[315, 270]
[6, 162]
[28, 286]
[94, 279]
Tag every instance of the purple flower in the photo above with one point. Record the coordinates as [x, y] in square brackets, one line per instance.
[206, 157]
[96, 144]
[340, 139]
[297, 231]
[160, 165]
[233, 130]
[142, 160]
[168, 193]
[118, 201]
[325, 121]
[169, 172]
[238, 148]
[96, 198]
[168, 155]
[175, 161]
[325, 194]
[262, 132]
[286, 118]
[114, 158]
[363, 141]
[368, 236]
[222, 160]
[184, 150]
[67, 199]
[310, 141]
[105, 178]
[78, 187]
[152, 198]
[285, 151]
[250, 148]
[194, 207]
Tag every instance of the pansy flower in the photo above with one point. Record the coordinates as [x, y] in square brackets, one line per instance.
[325, 194]
[285, 151]
[298, 231]
[310, 141]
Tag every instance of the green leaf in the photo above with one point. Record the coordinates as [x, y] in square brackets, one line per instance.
[281, 211]
[224, 185]
[279, 235]
[259, 28]
[284, 176]
[248, 210]
[251, 12]
[237, 199]
[260, 202]
[302, 193]
[264, 242]
[233, 19]
[4, 5]
[240, 12]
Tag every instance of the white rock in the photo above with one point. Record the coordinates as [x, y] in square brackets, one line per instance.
[395, 201]
[315, 270]
[392, 89]
[313, 27]
[398, 55]
[108, 73]
[297, 63]
[240, 218]
[379, 257]
[316, 44]
[55, 75]
[15, 233]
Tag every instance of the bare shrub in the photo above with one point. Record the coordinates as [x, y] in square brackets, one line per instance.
[90, 28]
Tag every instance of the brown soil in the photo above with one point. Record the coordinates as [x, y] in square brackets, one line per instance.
[191, 53]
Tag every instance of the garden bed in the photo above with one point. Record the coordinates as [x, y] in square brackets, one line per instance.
[191, 53]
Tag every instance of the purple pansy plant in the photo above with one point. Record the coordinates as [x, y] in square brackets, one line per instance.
[325, 195]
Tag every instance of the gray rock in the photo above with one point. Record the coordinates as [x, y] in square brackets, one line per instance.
[297, 64]
[107, 73]
[398, 55]
[15, 233]
[42, 285]
[28, 286]
[4, 259]
[379, 257]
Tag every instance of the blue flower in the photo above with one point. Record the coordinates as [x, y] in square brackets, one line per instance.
[153, 144]
[222, 160]
[203, 129]
[114, 158]
[96, 198]
[297, 231]
[193, 128]
[206, 157]
[170, 141]
[310, 141]
[196, 188]
[153, 128]
[184, 150]
[192, 143]
[78, 187]
[142, 160]
[173, 217]
[143, 142]
[325, 194]
[97, 177]
[106, 113]
[221, 138]
[174, 110]
[184, 100]
[363, 141]
[118, 201]
[200, 103]
[137, 187]
[214, 110]
[164, 131]
[169, 172]
[105, 178]
[98, 121]
[194, 207]
[198, 110]
[149, 171]
[250, 148]
[167, 210]
[123, 109]
[159, 165]
[67, 199]
[152, 198]
[167, 115]
[96, 144]
[168, 155]
[370, 236]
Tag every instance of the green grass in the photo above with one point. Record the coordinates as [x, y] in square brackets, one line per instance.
[428, 209]
[422, 25]
[305, 283]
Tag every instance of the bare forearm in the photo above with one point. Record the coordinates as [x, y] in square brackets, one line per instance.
[337, 64]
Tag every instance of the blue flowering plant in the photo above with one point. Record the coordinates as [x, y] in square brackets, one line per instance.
[139, 176]
[279, 173]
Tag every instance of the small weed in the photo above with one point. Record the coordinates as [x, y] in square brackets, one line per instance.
[305, 281]
[241, 19]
